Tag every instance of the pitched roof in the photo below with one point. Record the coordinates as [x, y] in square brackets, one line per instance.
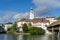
[55, 23]
[40, 20]
[50, 17]
[9, 23]
[35, 20]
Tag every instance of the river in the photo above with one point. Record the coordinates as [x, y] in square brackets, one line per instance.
[28, 37]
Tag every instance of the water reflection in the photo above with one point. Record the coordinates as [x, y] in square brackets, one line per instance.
[27, 37]
[20, 37]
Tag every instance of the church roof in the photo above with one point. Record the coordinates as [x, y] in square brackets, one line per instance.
[50, 17]
[35, 20]
[40, 20]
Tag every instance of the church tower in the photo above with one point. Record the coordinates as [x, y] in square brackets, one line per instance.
[31, 13]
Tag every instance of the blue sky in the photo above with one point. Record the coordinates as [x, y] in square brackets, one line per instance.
[15, 5]
[12, 10]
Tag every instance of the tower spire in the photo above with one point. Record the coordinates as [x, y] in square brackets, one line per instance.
[31, 13]
[31, 8]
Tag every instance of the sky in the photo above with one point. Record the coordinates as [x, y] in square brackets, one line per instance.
[13, 10]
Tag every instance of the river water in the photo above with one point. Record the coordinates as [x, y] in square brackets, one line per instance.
[28, 37]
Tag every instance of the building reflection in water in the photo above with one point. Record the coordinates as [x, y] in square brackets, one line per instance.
[10, 37]
[28, 37]
[20, 37]
[5, 37]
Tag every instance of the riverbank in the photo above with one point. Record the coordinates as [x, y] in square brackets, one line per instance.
[23, 33]
[20, 33]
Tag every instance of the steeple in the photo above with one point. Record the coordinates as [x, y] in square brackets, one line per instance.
[31, 13]
[31, 8]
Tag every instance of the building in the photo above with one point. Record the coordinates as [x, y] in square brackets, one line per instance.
[36, 22]
[51, 19]
[31, 14]
[40, 22]
[7, 25]
[21, 22]
[54, 27]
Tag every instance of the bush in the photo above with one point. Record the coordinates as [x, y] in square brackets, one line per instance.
[36, 31]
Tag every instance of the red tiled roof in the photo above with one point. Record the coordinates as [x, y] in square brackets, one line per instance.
[40, 20]
[50, 17]
[35, 20]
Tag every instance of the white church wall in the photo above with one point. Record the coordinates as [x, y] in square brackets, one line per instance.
[43, 25]
[19, 24]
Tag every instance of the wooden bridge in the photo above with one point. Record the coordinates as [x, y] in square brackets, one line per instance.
[54, 27]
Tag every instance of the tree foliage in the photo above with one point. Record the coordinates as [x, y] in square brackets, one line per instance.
[13, 28]
[25, 28]
[36, 31]
[30, 24]
[2, 25]
[58, 18]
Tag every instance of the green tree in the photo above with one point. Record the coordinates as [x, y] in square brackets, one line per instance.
[14, 27]
[25, 28]
[36, 31]
[58, 18]
[2, 25]
[30, 24]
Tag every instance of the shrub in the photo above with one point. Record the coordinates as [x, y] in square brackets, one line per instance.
[36, 31]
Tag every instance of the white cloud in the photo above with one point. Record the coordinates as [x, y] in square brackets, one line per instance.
[21, 15]
[53, 3]
[5, 16]
[10, 16]
[44, 7]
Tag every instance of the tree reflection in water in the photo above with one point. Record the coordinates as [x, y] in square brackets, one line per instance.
[27, 37]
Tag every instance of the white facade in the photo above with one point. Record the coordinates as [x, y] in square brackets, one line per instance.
[41, 24]
[44, 25]
[51, 20]
[37, 24]
[7, 26]
[20, 25]
[31, 14]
